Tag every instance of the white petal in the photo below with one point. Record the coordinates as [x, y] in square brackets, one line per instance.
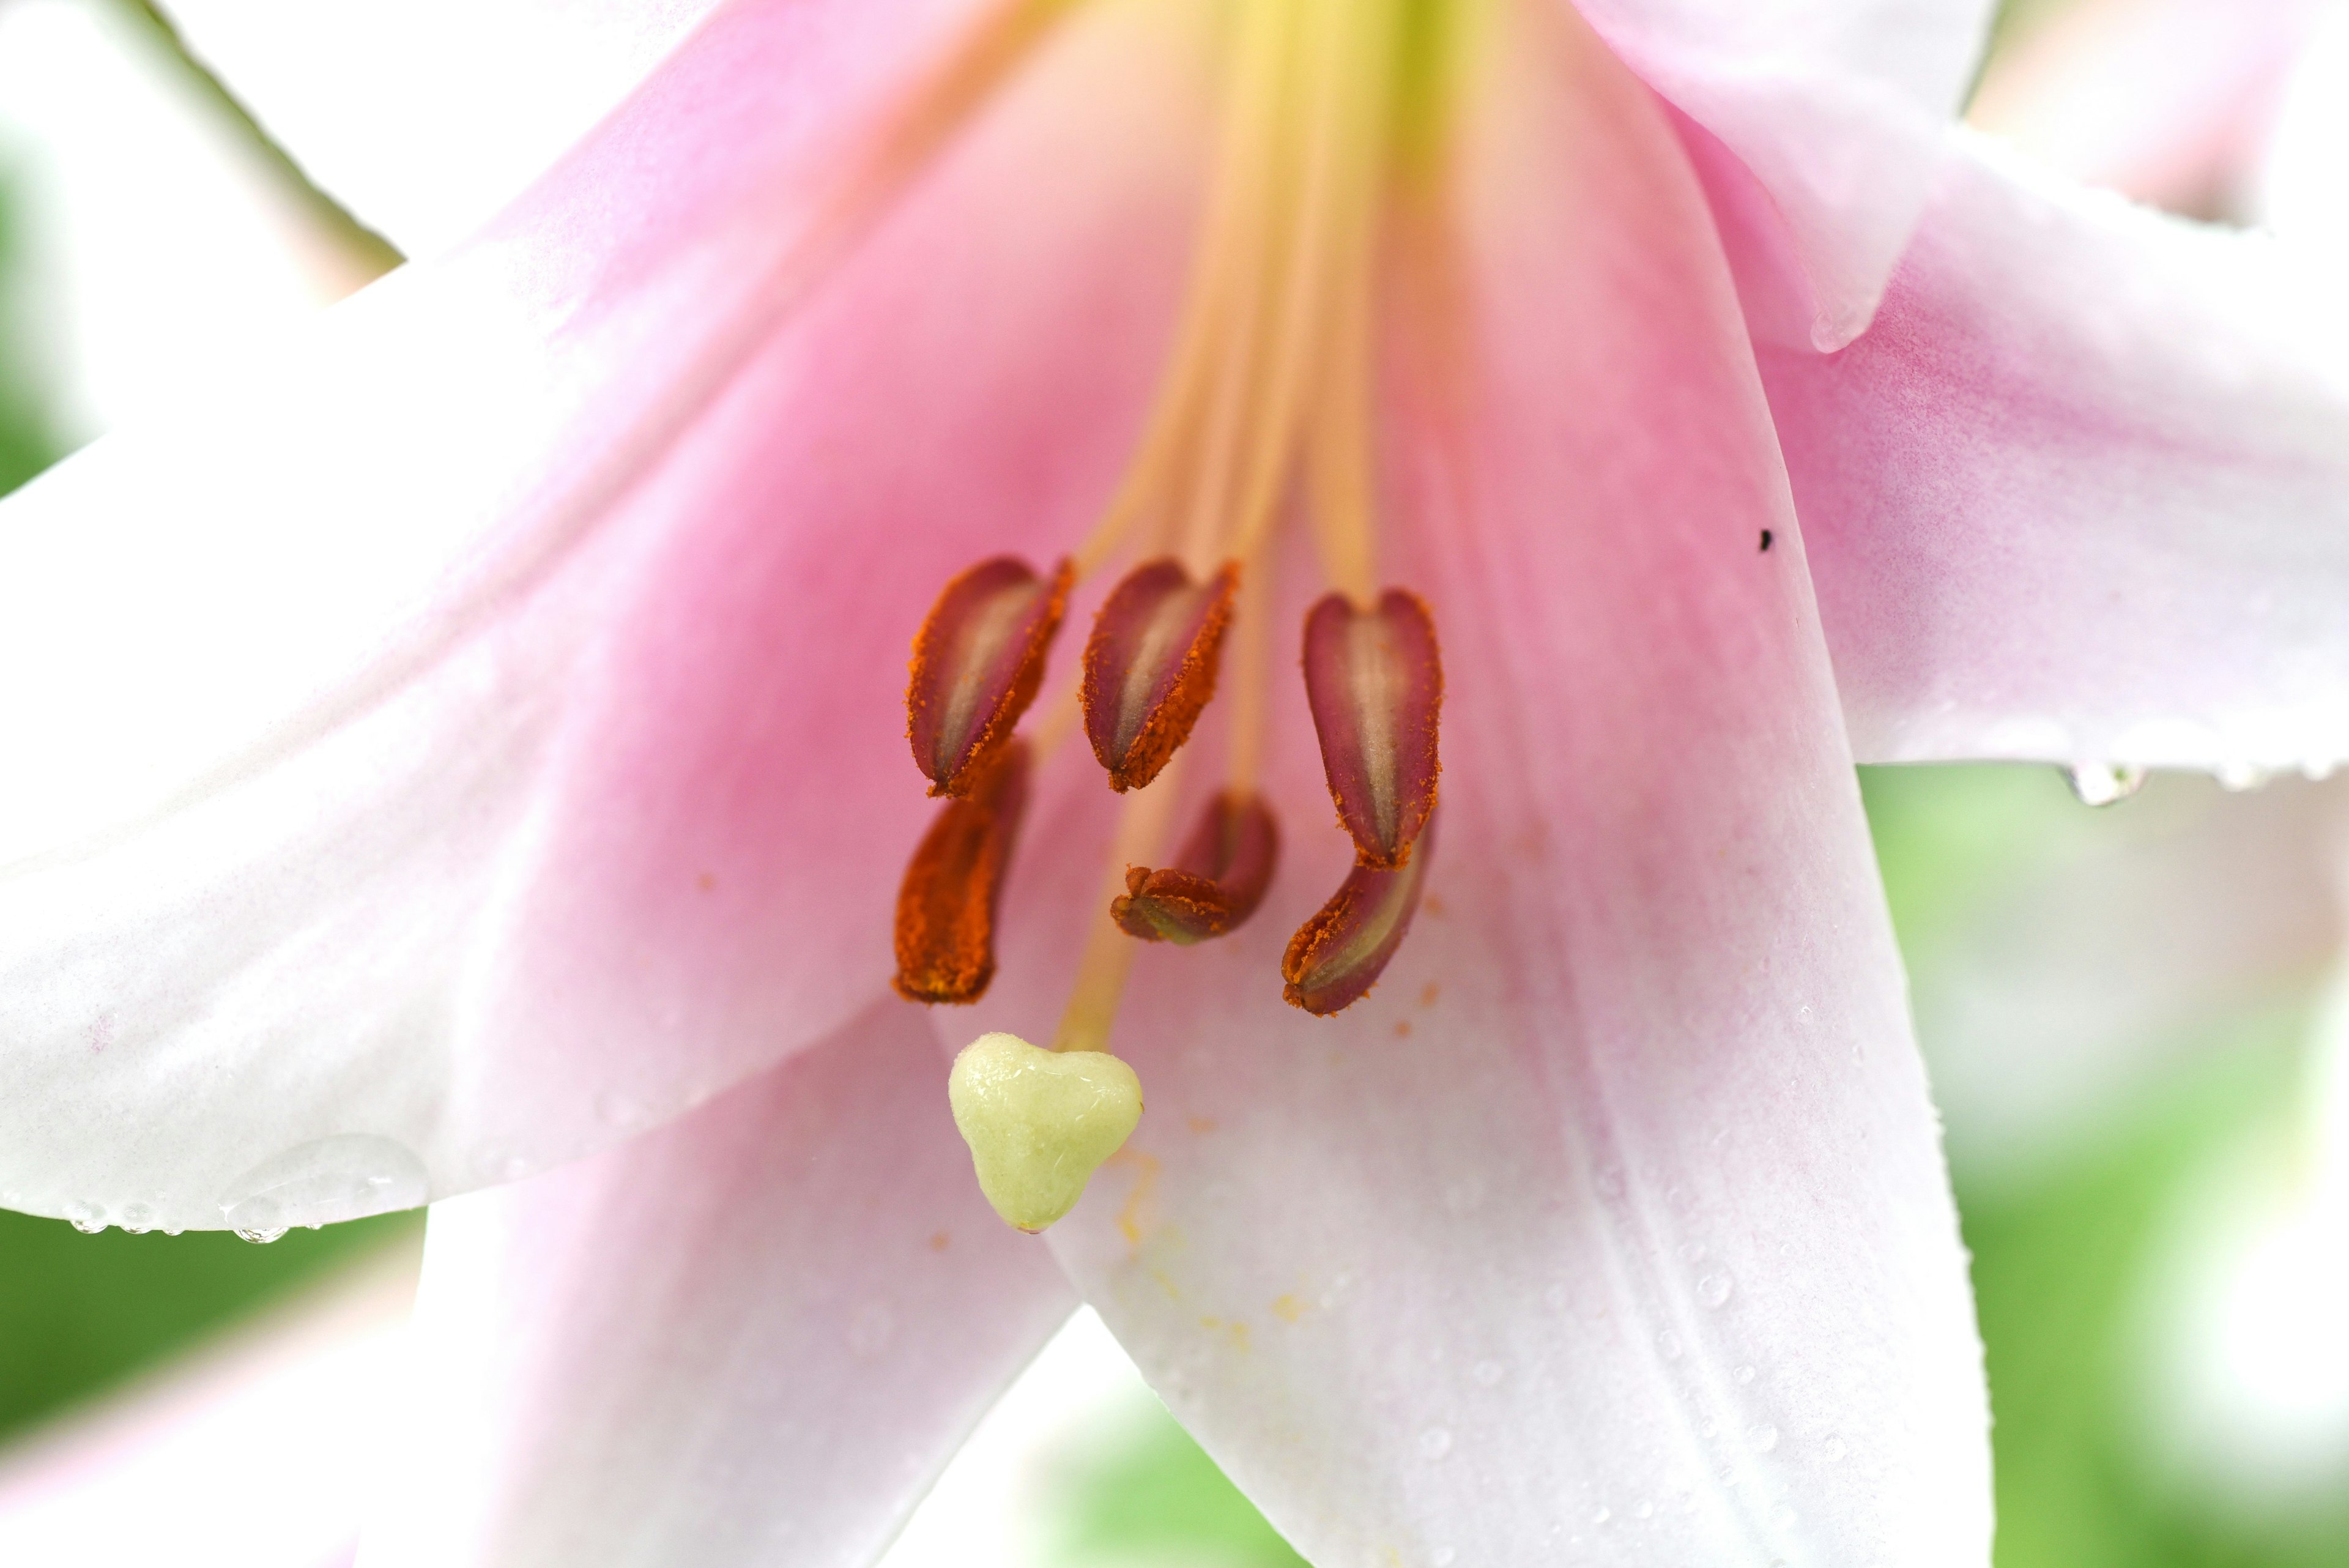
[257, 1452]
[1830, 111]
[2076, 962]
[754, 1337]
[2082, 494]
[424, 117]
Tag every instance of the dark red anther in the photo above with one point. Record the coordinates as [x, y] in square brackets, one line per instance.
[1150, 666]
[1338, 955]
[1215, 884]
[945, 906]
[978, 661]
[1375, 683]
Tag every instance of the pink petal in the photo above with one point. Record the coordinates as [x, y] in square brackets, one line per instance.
[1817, 131]
[1611, 1226]
[2082, 491]
[425, 117]
[754, 1337]
[486, 735]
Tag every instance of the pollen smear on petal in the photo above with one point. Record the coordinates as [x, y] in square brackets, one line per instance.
[946, 905]
[978, 661]
[1338, 955]
[1215, 883]
[1150, 666]
[1375, 683]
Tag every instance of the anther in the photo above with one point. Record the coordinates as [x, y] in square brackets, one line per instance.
[945, 906]
[1039, 1123]
[1215, 884]
[1150, 666]
[1375, 683]
[1338, 955]
[978, 661]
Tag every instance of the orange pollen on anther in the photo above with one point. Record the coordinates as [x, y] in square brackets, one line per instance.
[1215, 884]
[946, 904]
[978, 662]
[1150, 666]
[1338, 955]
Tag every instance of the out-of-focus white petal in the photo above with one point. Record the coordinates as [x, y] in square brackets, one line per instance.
[262, 1452]
[2164, 100]
[2300, 187]
[2082, 494]
[754, 1337]
[424, 117]
[2061, 978]
[1829, 113]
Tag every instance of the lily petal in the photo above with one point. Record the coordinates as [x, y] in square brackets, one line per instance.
[2072, 966]
[2164, 100]
[1612, 1223]
[2082, 491]
[1819, 133]
[485, 738]
[759, 1332]
[425, 117]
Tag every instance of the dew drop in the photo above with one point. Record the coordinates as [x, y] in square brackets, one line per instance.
[1835, 1447]
[1743, 1374]
[88, 1218]
[347, 1176]
[1783, 1516]
[1442, 1556]
[1713, 1290]
[2104, 783]
[1645, 1510]
[137, 1218]
[1435, 1443]
[2241, 775]
[1488, 1373]
[1668, 1344]
[1691, 1252]
[1601, 1515]
[1763, 1438]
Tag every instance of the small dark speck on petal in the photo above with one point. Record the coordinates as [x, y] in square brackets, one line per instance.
[1766, 538]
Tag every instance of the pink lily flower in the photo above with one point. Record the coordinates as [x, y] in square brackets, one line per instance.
[472, 743]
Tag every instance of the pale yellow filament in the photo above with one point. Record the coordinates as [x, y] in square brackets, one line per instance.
[1109, 953]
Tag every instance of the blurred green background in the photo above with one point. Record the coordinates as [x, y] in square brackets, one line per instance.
[2065, 1248]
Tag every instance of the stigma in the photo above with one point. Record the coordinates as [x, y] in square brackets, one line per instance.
[1265, 418]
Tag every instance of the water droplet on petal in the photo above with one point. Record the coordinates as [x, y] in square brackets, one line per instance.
[2241, 775]
[137, 1218]
[1488, 1373]
[1435, 1443]
[347, 1176]
[88, 1218]
[1601, 1515]
[1668, 1344]
[1645, 1510]
[1714, 1289]
[1835, 1447]
[2104, 783]
[1442, 1556]
[1763, 1438]
[1743, 1374]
